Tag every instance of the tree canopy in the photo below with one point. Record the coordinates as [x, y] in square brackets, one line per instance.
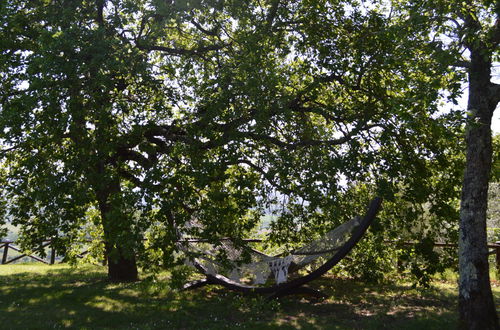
[161, 119]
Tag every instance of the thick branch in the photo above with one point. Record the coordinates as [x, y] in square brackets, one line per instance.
[462, 64]
[161, 146]
[151, 134]
[126, 154]
[303, 143]
[473, 27]
[226, 127]
[272, 13]
[200, 28]
[495, 95]
[495, 34]
[284, 144]
[180, 51]
[100, 12]
[296, 106]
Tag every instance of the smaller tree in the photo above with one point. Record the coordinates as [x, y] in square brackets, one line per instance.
[472, 36]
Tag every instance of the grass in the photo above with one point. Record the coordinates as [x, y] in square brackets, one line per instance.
[35, 296]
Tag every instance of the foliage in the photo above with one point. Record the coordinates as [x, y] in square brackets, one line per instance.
[493, 221]
[495, 167]
[169, 120]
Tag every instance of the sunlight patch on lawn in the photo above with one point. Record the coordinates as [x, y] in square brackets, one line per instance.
[63, 296]
[15, 269]
[108, 304]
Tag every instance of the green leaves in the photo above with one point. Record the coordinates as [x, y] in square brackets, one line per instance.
[197, 118]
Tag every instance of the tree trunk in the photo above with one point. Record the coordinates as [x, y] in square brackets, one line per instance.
[476, 306]
[122, 266]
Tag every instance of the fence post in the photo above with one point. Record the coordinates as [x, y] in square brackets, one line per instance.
[497, 258]
[52, 255]
[5, 252]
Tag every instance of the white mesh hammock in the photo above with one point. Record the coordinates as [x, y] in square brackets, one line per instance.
[261, 266]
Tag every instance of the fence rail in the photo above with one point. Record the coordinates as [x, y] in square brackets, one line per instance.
[6, 245]
[494, 248]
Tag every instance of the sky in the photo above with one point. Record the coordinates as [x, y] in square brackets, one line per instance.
[495, 125]
[495, 77]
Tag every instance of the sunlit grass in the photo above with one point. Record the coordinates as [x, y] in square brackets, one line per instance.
[36, 296]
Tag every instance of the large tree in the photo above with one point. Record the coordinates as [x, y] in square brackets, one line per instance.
[164, 118]
[82, 109]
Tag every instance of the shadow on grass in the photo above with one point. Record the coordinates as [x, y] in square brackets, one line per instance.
[59, 296]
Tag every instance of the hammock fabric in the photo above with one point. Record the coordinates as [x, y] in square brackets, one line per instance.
[330, 248]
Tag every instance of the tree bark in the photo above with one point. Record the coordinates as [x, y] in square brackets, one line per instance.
[476, 306]
[122, 266]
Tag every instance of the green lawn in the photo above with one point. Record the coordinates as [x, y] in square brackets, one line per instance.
[35, 296]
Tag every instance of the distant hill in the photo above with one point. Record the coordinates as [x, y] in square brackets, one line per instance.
[12, 233]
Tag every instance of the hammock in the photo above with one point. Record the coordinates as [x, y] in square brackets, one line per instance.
[262, 266]
[253, 276]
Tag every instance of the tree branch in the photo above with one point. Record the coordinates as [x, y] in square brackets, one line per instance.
[297, 106]
[100, 12]
[180, 51]
[272, 13]
[266, 175]
[495, 95]
[303, 143]
[474, 27]
[200, 28]
[129, 176]
[462, 64]
[495, 34]
[283, 144]
[126, 154]
[161, 145]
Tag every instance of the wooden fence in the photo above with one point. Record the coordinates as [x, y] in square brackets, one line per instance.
[6, 245]
[35, 255]
[494, 248]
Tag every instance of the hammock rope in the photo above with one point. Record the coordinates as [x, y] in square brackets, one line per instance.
[261, 267]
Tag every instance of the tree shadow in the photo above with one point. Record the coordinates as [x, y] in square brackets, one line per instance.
[84, 298]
